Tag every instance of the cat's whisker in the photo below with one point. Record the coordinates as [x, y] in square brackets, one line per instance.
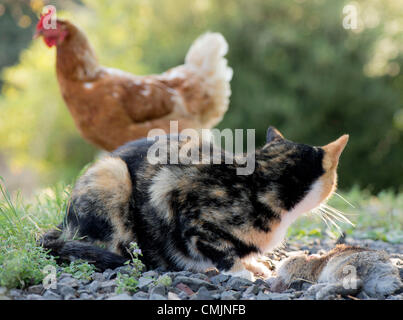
[330, 219]
[334, 210]
[344, 199]
[337, 216]
[333, 216]
[322, 216]
[326, 215]
[338, 213]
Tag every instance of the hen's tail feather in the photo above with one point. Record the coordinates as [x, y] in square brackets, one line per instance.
[71, 250]
[206, 55]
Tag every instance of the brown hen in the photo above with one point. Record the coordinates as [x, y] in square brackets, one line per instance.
[111, 107]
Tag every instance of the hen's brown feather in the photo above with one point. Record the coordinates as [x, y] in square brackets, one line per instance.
[111, 107]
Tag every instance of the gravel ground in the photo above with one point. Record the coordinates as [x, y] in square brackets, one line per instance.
[204, 286]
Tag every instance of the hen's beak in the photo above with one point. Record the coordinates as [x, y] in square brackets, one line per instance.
[37, 34]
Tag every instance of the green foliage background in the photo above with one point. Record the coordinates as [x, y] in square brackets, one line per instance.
[295, 67]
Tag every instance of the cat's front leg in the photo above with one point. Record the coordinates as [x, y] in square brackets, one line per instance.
[238, 270]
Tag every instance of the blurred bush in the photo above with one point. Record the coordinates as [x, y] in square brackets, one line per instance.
[295, 67]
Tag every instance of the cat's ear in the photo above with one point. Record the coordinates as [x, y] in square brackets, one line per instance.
[273, 134]
[334, 149]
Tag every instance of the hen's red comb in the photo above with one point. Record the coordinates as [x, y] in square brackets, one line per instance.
[39, 26]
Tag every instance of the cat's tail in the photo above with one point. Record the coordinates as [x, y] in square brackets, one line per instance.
[71, 250]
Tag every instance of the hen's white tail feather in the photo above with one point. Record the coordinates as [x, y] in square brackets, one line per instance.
[206, 56]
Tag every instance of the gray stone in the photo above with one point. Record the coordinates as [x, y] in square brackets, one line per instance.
[122, 296]
[297, 284]
[34, 297]
[280, 296]
[156, 296]
[363, 296]
[159, 289]
[84, 291]
[172, 275]
[263, 296]
[230, 295]
[108, 286]
[94, 286]
[37, 289]
[184, 273]
[239, 284]
[65, 275]
[109, 274]
[183, 296]
[306, 286]
[202, 294]
[15, 293]
[216, 296]
[398, 291]
[50, 295]
[306, 296]
[97, 276]
[66, 290]
[86, 296]
[174, 290]
[264, 284]
[290, 290]
[68, 281]
[3, 290]
[124, 270]
[150, 274]
[252, 290]
[144, 283]
[200, 276]
[173, 296]
[140, 296]
[220, 278]
[273, 296]
[193, 283]
[84, 282]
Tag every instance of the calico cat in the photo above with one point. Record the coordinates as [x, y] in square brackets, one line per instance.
[193, 216]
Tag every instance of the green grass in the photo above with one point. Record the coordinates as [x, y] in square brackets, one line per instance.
[129, 282]
[79, 269]
[22, 222]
